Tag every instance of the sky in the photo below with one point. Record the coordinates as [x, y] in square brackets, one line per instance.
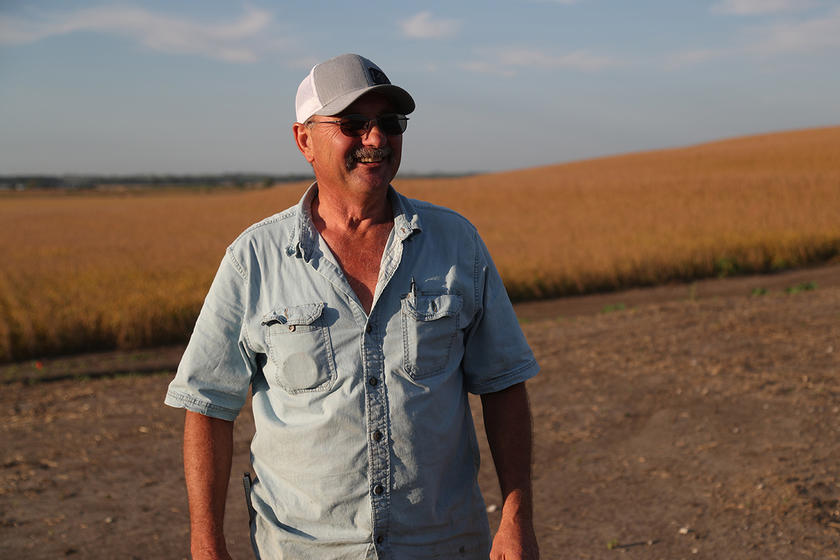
[181, 87]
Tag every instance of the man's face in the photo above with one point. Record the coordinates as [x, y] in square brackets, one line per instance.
[362, 164]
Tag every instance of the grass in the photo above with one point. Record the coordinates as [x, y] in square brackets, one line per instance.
[802, 287]
[105, 271]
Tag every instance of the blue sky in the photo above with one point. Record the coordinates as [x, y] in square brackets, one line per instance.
[207, 87]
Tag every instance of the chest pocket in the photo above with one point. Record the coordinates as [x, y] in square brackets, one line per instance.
[429, 325]
[299, 348]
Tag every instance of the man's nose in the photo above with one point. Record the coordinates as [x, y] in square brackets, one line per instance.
[374, 135]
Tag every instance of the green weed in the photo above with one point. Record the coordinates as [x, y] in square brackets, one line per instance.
[801, 287]
[613, 307]
[726, 266]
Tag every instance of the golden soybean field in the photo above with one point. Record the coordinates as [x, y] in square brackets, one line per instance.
[90, 271]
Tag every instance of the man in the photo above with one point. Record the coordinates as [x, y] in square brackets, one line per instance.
[360, 319]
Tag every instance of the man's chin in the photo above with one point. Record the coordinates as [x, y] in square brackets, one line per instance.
[374, 183]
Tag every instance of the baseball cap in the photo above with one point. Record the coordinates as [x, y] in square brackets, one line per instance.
[335, 84]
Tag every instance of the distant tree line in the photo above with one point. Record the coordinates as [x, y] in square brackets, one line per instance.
[107, 182]
[82, 182]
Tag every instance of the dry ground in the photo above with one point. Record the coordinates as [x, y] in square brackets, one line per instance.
[685, 422]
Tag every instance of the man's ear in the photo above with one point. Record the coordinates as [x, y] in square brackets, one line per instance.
[303, 139]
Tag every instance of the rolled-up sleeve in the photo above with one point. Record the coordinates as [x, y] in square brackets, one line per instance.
[496, 354]
[216, 370]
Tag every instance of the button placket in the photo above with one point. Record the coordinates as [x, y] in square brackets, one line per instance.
[378, 453]
[376, 401]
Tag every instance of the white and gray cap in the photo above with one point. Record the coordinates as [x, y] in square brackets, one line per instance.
[335, 84]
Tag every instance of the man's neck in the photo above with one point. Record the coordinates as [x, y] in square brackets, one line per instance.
[356, 231]
[341, 211]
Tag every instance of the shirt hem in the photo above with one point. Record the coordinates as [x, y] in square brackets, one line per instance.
[206, 408]
[522, 373]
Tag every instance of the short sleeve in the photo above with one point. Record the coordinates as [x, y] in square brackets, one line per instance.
[216, 370]
[496, 354]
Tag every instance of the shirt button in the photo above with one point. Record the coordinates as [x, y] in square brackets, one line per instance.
[373, 381]
[377, 435]
[369, 328]
[378, 489]
[292, 328]
[380, 539]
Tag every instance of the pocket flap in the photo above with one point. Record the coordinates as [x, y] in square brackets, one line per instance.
[431, 307]
[304, 314]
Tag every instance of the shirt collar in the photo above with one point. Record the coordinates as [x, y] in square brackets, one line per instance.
[304, 238]
[406, 218]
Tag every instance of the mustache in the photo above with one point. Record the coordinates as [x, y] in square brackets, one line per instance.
[367, 153]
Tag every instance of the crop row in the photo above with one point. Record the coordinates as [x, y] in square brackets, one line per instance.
[101, 271]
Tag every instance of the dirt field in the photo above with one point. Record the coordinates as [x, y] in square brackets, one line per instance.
[686, 422]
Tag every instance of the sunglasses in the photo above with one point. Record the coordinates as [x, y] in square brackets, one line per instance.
[392, 124]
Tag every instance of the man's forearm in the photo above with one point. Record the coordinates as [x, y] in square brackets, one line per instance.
[507, 422]
[208, 452]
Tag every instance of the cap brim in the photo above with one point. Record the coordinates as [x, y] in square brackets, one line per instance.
[402, 100]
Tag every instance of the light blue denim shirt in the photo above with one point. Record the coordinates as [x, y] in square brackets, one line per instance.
[364, 445]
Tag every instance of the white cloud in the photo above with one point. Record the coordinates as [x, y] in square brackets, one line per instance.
[233, 42]
[792, 37]
[802, 36]
[755, 7]
[425, 26]
[505, 62]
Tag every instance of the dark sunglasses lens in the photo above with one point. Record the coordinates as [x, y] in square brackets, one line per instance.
[354, 126]
[392, 125]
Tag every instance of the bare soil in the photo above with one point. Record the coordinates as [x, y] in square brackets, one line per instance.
[694, 421]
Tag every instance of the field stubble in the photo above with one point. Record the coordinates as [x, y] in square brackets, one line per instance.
[102, 271]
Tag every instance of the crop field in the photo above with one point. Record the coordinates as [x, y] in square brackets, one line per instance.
[88, 271]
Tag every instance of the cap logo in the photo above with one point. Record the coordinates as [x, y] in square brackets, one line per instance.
[377, 76]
